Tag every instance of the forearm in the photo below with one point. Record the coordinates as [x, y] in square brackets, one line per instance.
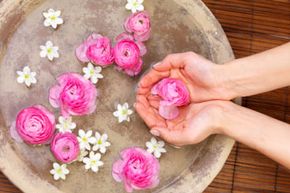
[258, 73]
[265, 134]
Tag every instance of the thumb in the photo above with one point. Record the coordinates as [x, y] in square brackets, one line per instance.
[171, 136]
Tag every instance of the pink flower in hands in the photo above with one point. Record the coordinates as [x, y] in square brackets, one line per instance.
[96, 49]
[65, 147]
[35, 124]
[127, 57]
[173, 93]
[74, 95]
[137, 169]
[138, 24]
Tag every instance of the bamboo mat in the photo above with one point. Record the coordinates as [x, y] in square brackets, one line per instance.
[252, 26]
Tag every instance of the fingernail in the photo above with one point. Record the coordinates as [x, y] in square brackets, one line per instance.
[155, 133]
[134, 105]
[157, 64]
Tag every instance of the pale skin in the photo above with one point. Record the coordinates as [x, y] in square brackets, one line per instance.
[211, 88]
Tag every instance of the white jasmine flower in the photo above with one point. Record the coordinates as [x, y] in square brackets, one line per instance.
[155, 147]
[59, 171]
[123, 112]
[134, 5]
[101, 143]
[52, 18]
[26, 76]
[49, 51]
[65, 124]
[82, 155]
[93, 162]
[93, 73]
[85, 139]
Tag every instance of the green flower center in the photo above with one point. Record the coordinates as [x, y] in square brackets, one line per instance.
[53, 18]
[49, 50]
[26, 76]
[124, 112]
[99, 141]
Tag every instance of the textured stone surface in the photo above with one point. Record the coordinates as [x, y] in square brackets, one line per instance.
[177, 26]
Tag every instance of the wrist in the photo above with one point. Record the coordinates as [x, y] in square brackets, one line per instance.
[224, 82]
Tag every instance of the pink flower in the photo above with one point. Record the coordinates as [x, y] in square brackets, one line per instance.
[65, 147]
[137, 169]
[96, 49]
[35, 124]
[127, 57]
[126, 36]
[173, 93]
[74, 95]
[139, 24]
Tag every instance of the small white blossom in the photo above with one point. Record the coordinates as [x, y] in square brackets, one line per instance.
[93, 73]
[52, 18]
[59, 171]
[101, 143]
[82, 155]
[93, 162]
[65, 124]
[155, 147]
[134, 5]
[123, 112]
[49, 51]
[85, 139]
[26, 76]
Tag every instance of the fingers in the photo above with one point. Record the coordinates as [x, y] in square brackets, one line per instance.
[154, 101]
[149, 114]
[173, 61]
[175, 137]
[152, 77]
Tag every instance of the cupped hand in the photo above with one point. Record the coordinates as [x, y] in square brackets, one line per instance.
[199, 74]
[203, 78]
[194, 124]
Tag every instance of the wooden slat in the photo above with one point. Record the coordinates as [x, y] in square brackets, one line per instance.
[252, 27]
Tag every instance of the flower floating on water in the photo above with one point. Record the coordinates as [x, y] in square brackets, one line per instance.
[128, 57]
[86, 139]
[134, 5]
[137, 169]
[65, 147]
[101, 143]
[123, 112]
[155, 147]
[59, 171]
[35, 125]
[26, 76]
[74, 95]
[93, 73]
[52, 18]
[49, 51]
[65, 124]
[93, 162]
[96, 49]
[139, 25]
[173, 94]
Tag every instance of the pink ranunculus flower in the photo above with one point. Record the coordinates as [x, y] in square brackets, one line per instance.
[65, 147]
[35, 125]
[127, 36]
[137, 169]
[96, 49]
[139, 24]
[127, 57]
[74, 95]
[173, 94]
